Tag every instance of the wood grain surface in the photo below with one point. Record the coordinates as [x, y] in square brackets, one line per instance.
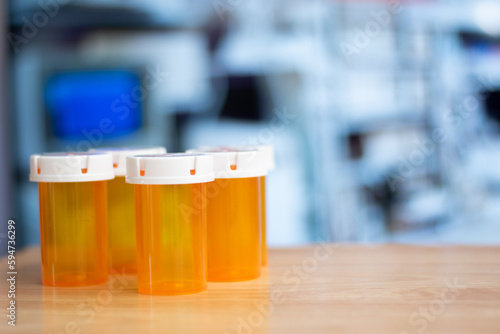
[319, 289]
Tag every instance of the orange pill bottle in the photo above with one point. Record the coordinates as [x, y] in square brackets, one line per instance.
[171, 218]
[121, 212]
[234, 215]
[73, 216]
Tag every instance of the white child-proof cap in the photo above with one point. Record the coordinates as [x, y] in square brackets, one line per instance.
[174, 168]
[71, 167]
[121, 153]
[235, 162]
[267, 152]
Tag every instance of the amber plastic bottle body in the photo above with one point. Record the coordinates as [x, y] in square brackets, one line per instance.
[234, 240]
[74, 233]
[121, 226]
[263, 219]
[171, 238]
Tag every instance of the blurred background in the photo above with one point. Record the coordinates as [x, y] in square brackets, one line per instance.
[384, 114]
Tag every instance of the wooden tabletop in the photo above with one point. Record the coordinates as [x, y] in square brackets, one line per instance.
[319, 289]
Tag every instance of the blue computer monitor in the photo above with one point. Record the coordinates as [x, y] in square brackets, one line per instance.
[80, 101]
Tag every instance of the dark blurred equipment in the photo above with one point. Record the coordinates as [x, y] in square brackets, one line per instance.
[493, 106]
[243, 100]
[355, 141]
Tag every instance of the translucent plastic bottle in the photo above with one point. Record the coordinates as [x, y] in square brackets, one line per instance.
[234, 215]
[73, 216]
[171, 217]
[266, 156]
[121, 212]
